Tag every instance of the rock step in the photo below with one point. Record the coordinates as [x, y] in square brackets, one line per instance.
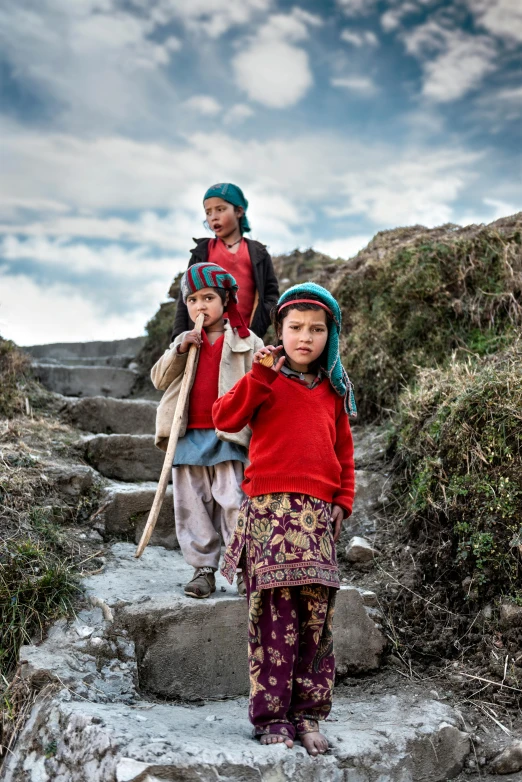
[375, 739]
[65, 351]
[124, 511]
[196, 649]
[92, 361]
[124, 457]
[105, 415]
[85, 381]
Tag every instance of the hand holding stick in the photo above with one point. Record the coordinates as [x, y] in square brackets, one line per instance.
[171, 448]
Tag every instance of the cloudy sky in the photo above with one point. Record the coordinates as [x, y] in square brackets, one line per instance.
[338, 118]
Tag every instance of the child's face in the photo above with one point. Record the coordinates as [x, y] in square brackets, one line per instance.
[222, 217]
[304, 335]
[207, 301]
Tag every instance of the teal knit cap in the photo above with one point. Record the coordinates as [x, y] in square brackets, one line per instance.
[234, 195]
[334, 369]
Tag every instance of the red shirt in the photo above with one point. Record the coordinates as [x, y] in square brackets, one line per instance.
[239, 266]
[204, 391]
[301, 437]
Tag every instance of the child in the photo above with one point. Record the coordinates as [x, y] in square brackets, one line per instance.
[248, 261]
[299, 486]
[208, 464]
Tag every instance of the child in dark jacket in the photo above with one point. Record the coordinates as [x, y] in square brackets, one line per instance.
[247, 260]
[299, 487]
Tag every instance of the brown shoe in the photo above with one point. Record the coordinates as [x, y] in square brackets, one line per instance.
[202, 584]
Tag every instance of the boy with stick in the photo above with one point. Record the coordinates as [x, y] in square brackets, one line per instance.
[208, 464]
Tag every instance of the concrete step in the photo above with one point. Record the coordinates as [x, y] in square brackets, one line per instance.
[124, 457]
[196, 649]
[105, 415]
[374, 739]
[64, 351]
[124, 511]
[85, 381]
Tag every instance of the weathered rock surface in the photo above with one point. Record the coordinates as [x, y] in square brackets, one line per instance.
[66, 351]
[124, 511]
[370, 443]
[510, 615]
[71, 481]
[379, 739]
[170, 629]
[360, 550]
[102, 415]
[509, 760]
[85, 381]
[125, 457]
[370, 494]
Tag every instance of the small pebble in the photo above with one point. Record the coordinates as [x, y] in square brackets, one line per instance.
[210, 718]
[223, 589]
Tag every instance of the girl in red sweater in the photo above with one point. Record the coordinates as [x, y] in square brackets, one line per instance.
[299, 487]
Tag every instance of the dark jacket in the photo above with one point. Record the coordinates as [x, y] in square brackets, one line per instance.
[266, 286]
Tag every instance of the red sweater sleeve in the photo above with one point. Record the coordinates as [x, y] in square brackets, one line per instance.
[234, 410]
[344, 451]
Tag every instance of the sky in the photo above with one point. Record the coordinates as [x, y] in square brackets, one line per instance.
[338, 119]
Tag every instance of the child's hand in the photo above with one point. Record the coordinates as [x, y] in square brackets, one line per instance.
[266, 351]
[191, 338]
[337, 521]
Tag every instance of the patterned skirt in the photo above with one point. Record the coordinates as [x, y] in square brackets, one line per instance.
[283, 540]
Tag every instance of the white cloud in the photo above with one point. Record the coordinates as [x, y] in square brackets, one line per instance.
[356, 7]
[385, 183]
[342, 247]
[238, 113]
[502, 18]
[454, 62]
[211, 17]
[359, 39]
[362, 84]
[495, 209]
[31, 313]
[271, 69]
[203, 104]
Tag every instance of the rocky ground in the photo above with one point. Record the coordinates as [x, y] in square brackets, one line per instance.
[142, 683]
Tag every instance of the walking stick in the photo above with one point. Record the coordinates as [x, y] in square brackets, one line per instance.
[173, 441]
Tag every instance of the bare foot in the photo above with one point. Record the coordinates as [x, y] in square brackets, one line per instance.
[314, 743]
[273, 738]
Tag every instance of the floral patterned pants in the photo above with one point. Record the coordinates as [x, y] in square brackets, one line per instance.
[291, 659]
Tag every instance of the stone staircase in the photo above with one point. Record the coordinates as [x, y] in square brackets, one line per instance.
[139, 641]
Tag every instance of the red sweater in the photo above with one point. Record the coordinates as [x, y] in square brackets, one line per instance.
[240, 267]
[301, 438]
[204, 391]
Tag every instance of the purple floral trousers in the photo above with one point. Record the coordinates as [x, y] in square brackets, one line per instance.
[291, 659]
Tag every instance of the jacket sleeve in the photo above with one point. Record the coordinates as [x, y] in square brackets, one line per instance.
[344, 451]
[271, 285]
[182, 322]
[169, 366]
[235, 409]
[181, 319]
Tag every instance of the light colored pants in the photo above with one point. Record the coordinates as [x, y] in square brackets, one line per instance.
[206, 503]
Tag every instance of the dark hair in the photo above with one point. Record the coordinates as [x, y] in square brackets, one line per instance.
[278, 317]
[222, 293]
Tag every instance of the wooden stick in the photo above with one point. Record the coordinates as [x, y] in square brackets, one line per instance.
[171, 448]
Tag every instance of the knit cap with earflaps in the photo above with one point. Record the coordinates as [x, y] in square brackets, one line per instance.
[210, 275]
[331, 364]
[234, 195]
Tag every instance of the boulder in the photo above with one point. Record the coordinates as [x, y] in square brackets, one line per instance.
[124, 511]
[360, 550]
[105, 415]
[125, 457]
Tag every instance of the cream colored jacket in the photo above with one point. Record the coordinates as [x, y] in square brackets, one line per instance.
[167, 374]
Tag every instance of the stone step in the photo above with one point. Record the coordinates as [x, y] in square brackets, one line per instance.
[92, 361]
[85, 381]
[124, 457]
[65, 351]
[124, 511]
[196, 649]
[105, 415]
[374, 739]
